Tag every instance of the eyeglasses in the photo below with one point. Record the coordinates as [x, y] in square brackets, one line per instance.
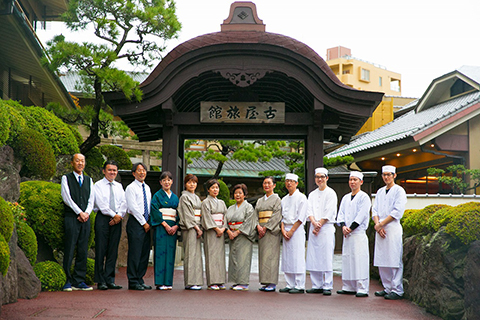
[387, 174]
[320, 177]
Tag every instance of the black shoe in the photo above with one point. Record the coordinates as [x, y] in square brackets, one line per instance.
[146, 287]
[346, 292]
[137, 286]
[380, 293]
[313, 290]
[113, 286]
[327, 292]
[286, 289]
[361, 295]
[393, 296]
[296, 291]
[102, 286]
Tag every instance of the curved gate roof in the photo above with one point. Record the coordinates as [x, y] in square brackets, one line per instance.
[245, 66]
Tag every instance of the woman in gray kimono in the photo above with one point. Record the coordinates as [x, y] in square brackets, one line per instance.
[214, 224]
[241, 232]
[269, 215]
[189, 212]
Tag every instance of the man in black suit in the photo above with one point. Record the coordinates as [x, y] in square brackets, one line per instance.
[78, 196]
[138, 197]
[111, 206]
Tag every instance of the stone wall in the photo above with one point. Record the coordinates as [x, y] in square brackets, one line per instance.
[442, 275]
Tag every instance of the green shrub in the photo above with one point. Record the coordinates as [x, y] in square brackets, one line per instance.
[465, 223]
[6, 220]
[45, 211]
[37, 154]
[4, 255]
[27, 240]
[117, 154]
[76, 134]
[440, 218]
[4, 125]
[415, 221]
[89, 278]
[132, 153]
[51, 275]
[224, 194]
[16, 122]
[57, 132]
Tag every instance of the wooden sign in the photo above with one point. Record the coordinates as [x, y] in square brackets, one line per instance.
[242, 112]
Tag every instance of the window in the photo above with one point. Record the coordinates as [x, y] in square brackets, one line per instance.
[365, 75]
[379, 81]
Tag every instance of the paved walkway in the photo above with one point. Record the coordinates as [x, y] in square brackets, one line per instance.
[183, 304]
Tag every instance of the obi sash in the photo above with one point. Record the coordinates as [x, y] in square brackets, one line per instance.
[264, 216]
[218, 217]
[234, 225]
[198, 214]
[169, 214]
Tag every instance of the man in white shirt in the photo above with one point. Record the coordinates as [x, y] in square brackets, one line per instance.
[322, 209]
[353, 217]
[138, 196]
[78, 196]
[387, 211]
[111, 206]
[294, 210]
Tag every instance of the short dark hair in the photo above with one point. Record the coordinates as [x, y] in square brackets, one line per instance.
[271, 178]
[166, 174]
[110, 162]
[240, 186]
[135, 166]
[189, 177]
[210, 183]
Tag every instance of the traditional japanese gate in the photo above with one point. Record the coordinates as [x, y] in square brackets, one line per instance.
[244, 83]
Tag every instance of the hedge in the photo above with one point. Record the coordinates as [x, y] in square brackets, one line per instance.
[118, 154]
[45, 212]
[6, 220]
[416, 221]
[16, 122]
[465, 223]
[4, 125]
[59, 134]
[51, 275]
[37, 154]
[27, 240]
[4, 255]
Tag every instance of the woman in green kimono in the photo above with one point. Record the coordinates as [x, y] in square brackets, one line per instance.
[164, 220]
[189, 211]
[241, 232]
[213, 222]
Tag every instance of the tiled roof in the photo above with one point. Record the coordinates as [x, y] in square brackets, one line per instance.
[71, 79]
[408, 125]
[235, 168]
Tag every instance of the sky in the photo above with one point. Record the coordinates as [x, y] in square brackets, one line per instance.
[420, 39]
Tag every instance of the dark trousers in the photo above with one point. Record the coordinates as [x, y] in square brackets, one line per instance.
[139, 244]
[107, 239]
[76, 236]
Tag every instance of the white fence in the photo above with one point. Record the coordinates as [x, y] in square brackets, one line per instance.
[420, 201]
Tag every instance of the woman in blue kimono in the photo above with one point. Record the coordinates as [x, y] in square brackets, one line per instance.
[164, 220]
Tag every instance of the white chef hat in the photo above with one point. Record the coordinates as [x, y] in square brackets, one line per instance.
[291, 176]
[388, 169]
[357, 174]
[321, 170]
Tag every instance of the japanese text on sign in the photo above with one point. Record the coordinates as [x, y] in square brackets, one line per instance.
[242, 112]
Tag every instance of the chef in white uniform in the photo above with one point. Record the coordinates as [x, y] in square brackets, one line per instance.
[353, 217]
[387, 211]
[321, 211]
[294, 212]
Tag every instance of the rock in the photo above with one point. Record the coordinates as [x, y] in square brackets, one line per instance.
[9, 283]
[9, 175]
[434, 273]
[472, 282]
[29, 286]
[64, 166]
